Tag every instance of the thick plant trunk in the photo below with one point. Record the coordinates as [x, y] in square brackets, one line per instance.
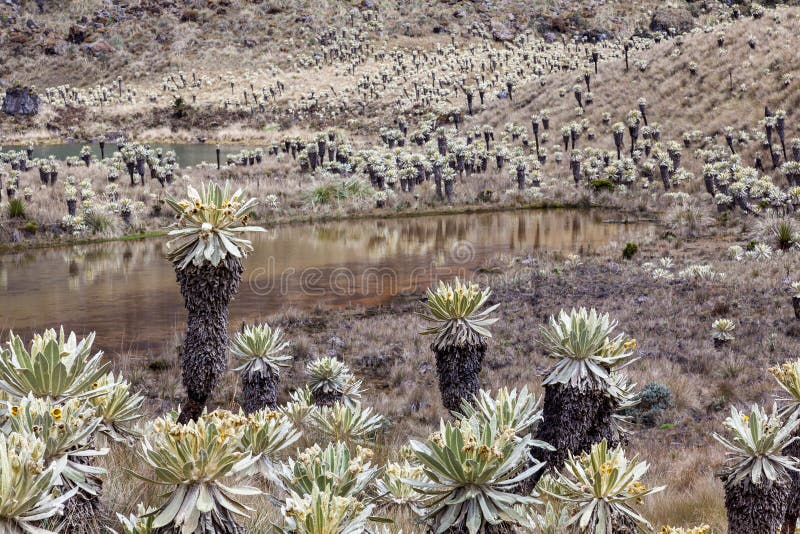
[206, 291]
[603, 426]
[458, 369]
[793, 500]
[501, 528]
[83, 514]
[259, 391]
[573, 420]
[322, 398]
[622, 525]
[756, 509]
[209, 524]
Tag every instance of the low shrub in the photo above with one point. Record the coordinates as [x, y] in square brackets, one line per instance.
[630, 250]
[16, 208]
[654, 400]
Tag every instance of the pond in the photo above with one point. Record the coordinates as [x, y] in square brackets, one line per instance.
[127, 293]
[188, 154]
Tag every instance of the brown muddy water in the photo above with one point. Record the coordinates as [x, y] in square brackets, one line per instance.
[126, 291]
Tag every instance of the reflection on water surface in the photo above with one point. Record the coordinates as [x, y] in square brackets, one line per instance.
[126, 291]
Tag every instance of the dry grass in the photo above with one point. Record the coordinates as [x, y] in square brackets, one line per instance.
[676, 100]
[671, 321]
[282, 178]
[225, 44]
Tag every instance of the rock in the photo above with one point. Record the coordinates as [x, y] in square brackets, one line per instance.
[99, 48]
[18, 37]
[31, 24]
[55, 47]
[595, 35]
[666, 19]
[77, 34]
[501, 31]
[16, 237]
[102, 15]
[21, 101]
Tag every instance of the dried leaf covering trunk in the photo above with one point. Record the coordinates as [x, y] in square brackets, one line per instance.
[83, 514]
[326, 398]
[500, 528]
[206, 291]
[458, 369]
[623, 525]
[756, 509]
[259, 391]
[209, 523]
[573, 420]
[793, 500]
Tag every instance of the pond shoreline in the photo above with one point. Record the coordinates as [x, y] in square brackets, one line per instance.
[126, 290]
[387, 214]
[252, 138]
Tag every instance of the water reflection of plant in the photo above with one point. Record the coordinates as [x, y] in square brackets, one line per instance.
[88, 263]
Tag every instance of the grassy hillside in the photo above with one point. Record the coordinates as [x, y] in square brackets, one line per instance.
[149, 37]
[733, 84]
[380, 84]
[147, 53]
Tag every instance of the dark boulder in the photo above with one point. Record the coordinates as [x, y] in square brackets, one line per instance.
[671, 18]
[99, 48]
[595, 35]
[21, 101]
[77, 34]
[54, 47]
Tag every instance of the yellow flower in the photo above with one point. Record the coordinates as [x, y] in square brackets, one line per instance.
[630, 344]
[606, 468]
[15, 411]
[56, 413]
[745, 418]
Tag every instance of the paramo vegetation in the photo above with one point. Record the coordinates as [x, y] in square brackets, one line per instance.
[538, 419]
[503, 461]
[468, 124]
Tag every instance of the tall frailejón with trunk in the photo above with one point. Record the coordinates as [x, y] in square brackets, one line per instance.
[583, 393]
[788, 377]
[260, 350]
[459, 327]
[207, 251]
[756, 475]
